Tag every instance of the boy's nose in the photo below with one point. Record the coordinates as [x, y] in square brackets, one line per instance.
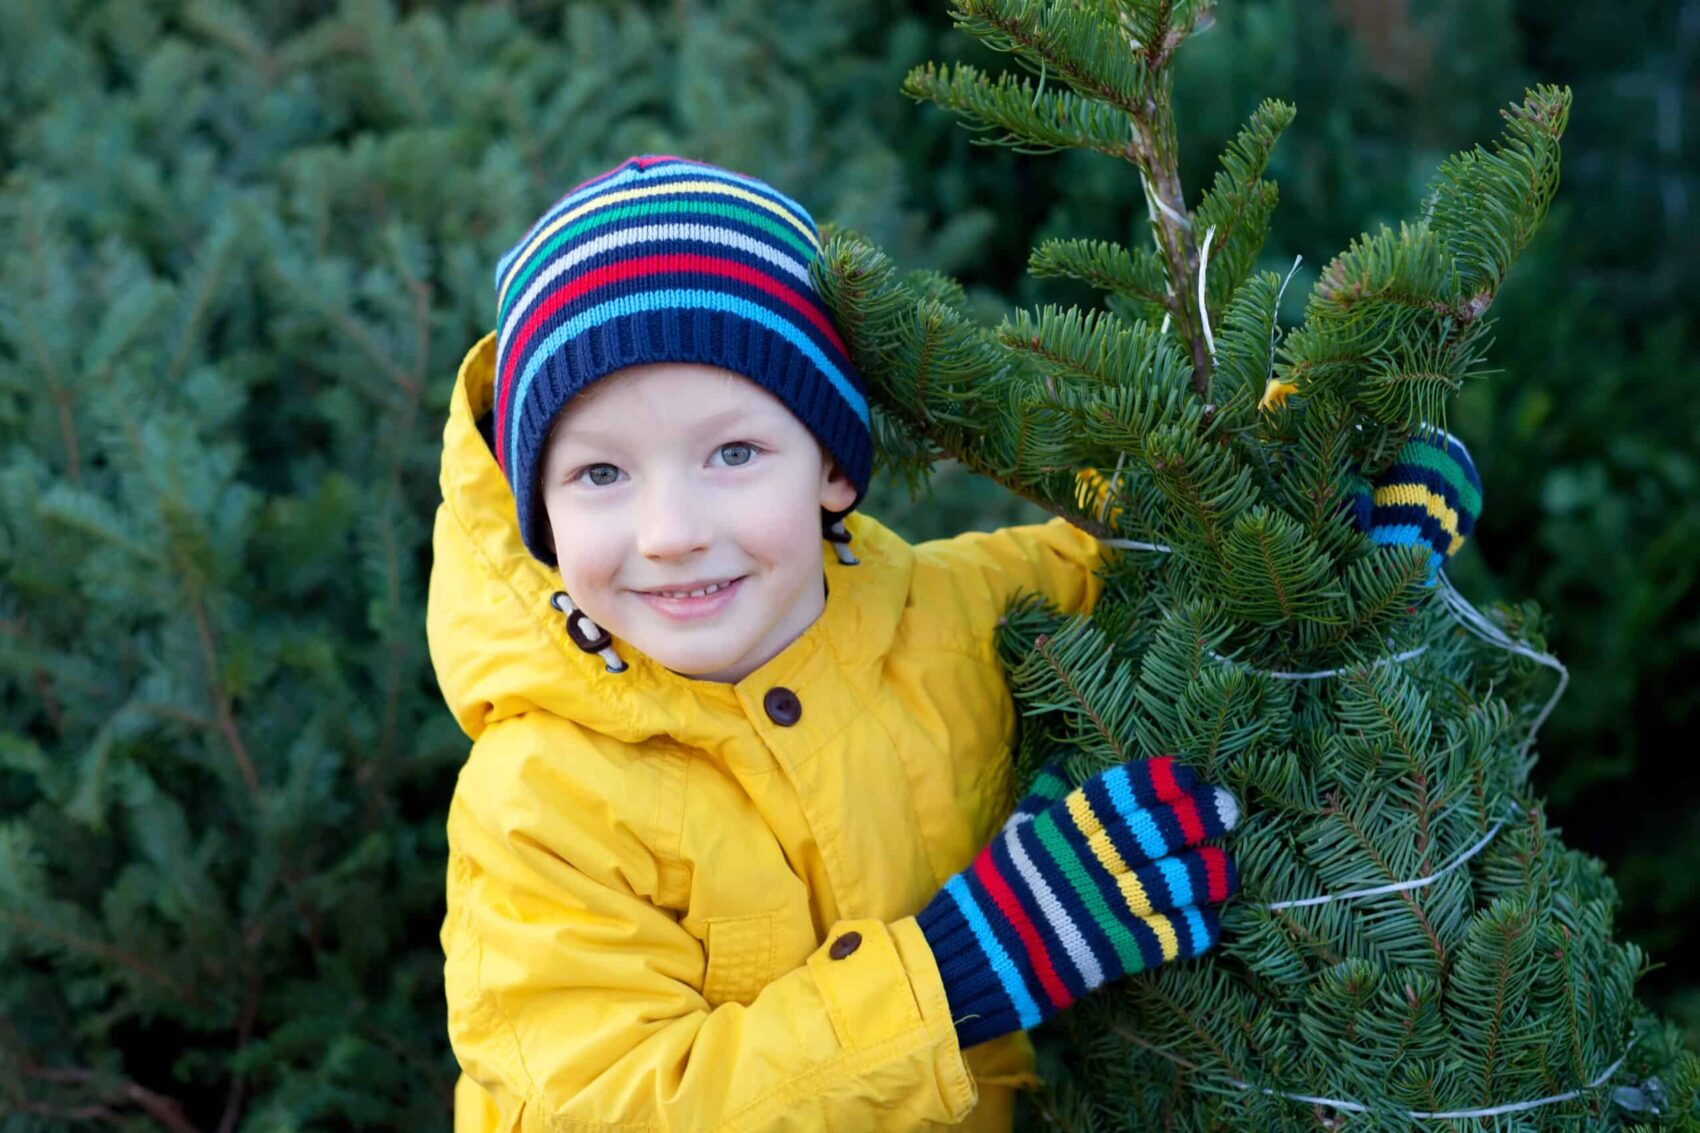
[671, 522]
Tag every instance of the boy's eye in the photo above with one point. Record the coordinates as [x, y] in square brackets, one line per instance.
[601, 475]
[737, 453]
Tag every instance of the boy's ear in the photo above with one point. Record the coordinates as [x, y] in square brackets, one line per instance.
[837, 493]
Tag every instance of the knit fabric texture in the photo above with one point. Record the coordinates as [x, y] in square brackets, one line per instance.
[1430, 496]
[1081, 886]
[665, 259]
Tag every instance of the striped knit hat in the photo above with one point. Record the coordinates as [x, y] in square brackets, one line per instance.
[663, 259]
[1429, 496]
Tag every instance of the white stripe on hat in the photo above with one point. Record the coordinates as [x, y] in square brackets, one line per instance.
[655, 172]
[660, 190]
[707, 233]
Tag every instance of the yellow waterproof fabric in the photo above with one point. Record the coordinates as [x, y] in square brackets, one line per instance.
[647, 872]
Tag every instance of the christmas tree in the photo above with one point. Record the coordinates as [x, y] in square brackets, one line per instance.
[1413, 942]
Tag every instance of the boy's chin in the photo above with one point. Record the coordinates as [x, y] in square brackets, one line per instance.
[705, 669]
[708, 664]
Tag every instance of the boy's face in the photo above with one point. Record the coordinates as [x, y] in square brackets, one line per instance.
[671, 477]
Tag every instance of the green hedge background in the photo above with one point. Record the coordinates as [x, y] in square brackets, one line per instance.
[244, 248]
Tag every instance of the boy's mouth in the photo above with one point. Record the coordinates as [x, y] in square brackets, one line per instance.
[690, 590]
[698, 601]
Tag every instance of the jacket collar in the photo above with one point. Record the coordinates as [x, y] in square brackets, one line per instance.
[501, 649]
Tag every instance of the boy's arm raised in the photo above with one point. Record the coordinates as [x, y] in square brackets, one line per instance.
[985, 570]
[574, 1000]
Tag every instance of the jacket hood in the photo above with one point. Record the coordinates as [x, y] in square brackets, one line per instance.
[501, 649]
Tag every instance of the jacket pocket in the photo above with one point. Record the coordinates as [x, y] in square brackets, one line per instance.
[740, 958]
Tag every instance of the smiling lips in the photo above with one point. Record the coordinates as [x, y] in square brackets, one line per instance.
[692, 590]
[701, 601]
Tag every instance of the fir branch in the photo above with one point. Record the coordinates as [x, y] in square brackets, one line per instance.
[1094, 346]
[1276, 574]
[1486, 207]
[1080, 46]
[106, 952]
[205, 278]
[1153, 151]
[227, 726]
[1150, 988]
[1368, 846]
[58, 389]
[244, 1032]
[1030, 120]
[167, 1111]
[1302, 935]
[1245, 356]
[1240, 203]
[1105, 265]
[1044, 649]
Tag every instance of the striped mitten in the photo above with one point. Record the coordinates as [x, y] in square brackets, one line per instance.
[1429, 496]
[1081, 886]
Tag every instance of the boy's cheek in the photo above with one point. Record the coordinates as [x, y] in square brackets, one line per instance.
[588, 565]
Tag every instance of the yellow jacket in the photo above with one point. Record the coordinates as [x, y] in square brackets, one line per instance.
[647, 872]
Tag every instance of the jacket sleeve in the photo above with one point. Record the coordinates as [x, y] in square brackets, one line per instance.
[985, 570]
[575, 1000]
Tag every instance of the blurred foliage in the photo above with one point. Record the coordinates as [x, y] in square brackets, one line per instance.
[244, 248]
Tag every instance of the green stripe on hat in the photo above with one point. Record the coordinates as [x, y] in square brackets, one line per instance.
[664, 207]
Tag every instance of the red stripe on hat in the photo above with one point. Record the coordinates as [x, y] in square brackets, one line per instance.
[1216, 870]
[631, 269]
[987, 871]
[1186, 813]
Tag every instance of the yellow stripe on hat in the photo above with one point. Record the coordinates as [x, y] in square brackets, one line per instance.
[660, 189]
[1166, 938]
[1419, 495]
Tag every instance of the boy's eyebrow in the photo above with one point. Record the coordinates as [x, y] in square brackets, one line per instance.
[707, 424]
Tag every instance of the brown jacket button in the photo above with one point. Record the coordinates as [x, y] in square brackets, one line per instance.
[783, 707]
[845, 945]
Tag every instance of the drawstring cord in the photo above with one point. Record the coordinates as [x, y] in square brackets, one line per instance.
[592, 638]
[840, 540]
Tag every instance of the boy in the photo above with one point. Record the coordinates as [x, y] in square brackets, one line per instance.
[727, 852]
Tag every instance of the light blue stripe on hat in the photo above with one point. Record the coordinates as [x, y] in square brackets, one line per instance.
[675, 300]
[1013, 985]
[675, 232]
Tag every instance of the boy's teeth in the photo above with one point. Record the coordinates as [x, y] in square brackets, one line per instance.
[694, 593]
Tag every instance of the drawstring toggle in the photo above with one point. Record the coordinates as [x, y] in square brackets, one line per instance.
[586, 634]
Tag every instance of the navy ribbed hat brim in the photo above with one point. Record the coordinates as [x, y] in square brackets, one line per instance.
[706, 337]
